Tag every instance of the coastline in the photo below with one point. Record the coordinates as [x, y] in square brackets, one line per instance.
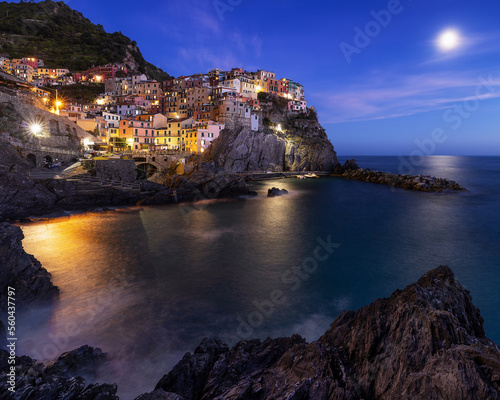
[364, 175]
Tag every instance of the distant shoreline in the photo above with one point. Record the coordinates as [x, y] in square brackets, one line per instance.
[248, 177]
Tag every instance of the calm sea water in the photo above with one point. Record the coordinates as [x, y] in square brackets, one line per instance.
[147, 285]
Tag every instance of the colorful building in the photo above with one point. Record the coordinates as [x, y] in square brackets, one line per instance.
[100, 73]
[207, 133]
[297, 106]
[138, 135]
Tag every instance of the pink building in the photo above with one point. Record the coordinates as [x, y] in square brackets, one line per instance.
[297, 106]
[139, 134]
[207, 132]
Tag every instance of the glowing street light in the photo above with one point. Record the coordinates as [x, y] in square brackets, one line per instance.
[58, 105]
[36, 129]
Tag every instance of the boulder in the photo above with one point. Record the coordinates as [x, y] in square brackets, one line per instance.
[84, 361]
[276, 192]
[350, 165]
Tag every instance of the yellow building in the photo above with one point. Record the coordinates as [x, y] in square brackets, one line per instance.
[170, 136]
[8, 65]
[190, 139]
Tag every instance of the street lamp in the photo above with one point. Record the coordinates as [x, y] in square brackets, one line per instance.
[36, 129]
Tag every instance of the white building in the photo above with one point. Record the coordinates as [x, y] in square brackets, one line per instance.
[130, 110]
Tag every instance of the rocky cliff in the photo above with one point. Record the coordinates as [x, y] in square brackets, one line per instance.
[284, 142]
[22, 271]
[424, 342]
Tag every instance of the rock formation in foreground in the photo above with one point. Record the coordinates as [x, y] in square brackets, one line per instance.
[424, 342]
[62, 379]
[284, 142]
[22, 271]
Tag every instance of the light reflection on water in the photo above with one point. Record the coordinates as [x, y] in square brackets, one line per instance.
[147, 285]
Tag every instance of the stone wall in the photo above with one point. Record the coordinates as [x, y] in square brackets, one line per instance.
[117, 170]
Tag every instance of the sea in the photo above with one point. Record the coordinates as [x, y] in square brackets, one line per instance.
[146, 285]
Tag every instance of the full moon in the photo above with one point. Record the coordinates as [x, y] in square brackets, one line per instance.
[449, 40]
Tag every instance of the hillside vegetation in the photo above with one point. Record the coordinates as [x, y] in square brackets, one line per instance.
[64, 38]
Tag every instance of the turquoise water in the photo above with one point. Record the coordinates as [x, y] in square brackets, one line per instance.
[147, 285]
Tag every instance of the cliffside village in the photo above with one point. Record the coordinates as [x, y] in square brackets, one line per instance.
[138, 114]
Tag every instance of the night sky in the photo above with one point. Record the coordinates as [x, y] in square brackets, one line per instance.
[382, 81]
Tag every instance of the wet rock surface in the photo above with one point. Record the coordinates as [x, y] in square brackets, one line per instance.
[274, 191]
[22, 271]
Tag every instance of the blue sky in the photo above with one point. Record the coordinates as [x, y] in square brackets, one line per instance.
[395, 87]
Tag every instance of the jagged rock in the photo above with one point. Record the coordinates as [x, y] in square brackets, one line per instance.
[22, 271]
[424, 342]
[159, 394]
[10, 159]
[21, 197]
[189, 376]
[349, 165]
[276, 192]
[84, 361]
[35, 382]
